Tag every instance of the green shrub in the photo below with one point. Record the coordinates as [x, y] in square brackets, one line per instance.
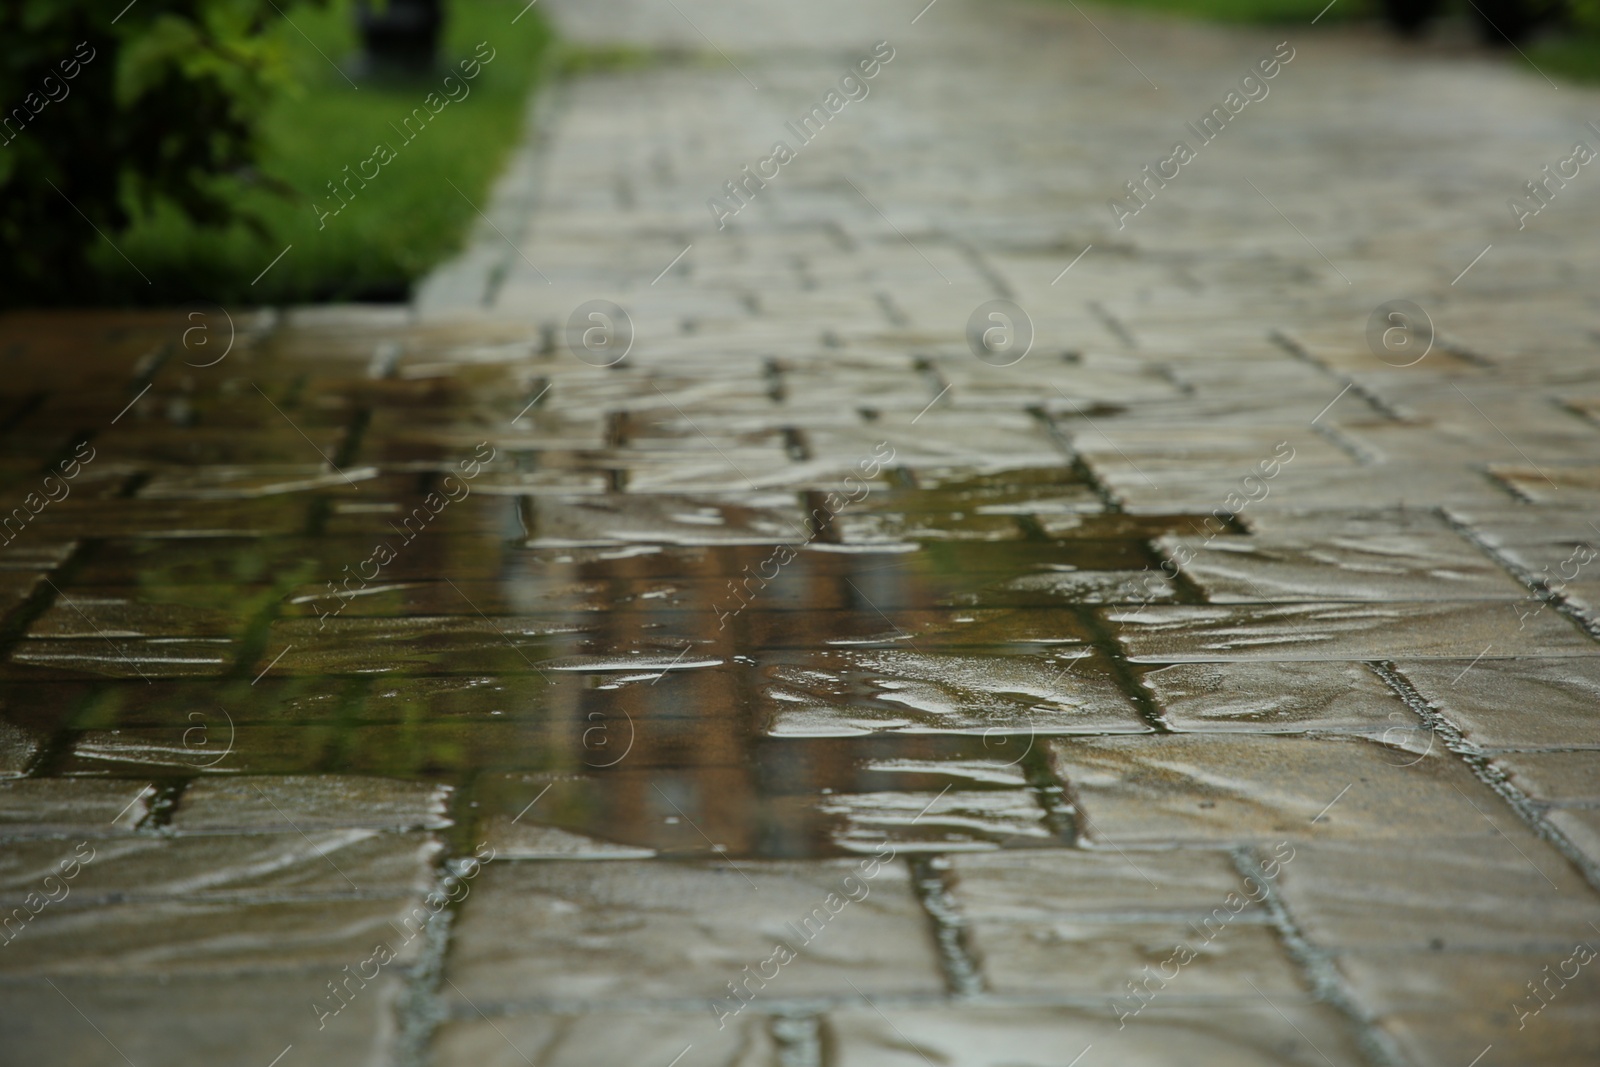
[106, 115]
[258, 120]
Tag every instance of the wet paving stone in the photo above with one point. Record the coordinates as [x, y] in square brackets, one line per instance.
[17, 586]
[1530, 702]
[305, 802]
[659, 519]
[1303, 488]
[1277, 697]
[947, 821]
[35, 556]
[781, 800]
[193, 714]
[203, 745]
[1061, 957]
[255, 479]
[625, 811]
[56, 807]
[75, 1020]
[869, 625]
[662, 931]
[178, 611]
[1581, 826]
[139, 658]
[573, 1040]
[1230, 787]
[1556, 777]
[216, 447]
[443, 644]
[225, 561]
[18, 748]
[183, 936]
[1502, 890]
[76, 518]
[532, 841]
[1442, 1007]
[812, 582]
[1324, 558]
[1135, 885]
[639, 663]
[1222, 1031]
[1452, 630]
[846, 693]
[254, 868]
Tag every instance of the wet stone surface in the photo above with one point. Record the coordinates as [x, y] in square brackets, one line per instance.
[802, 691]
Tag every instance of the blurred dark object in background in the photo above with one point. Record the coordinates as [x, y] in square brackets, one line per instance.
[402, 39]
[1501, 23]
[1409, 16]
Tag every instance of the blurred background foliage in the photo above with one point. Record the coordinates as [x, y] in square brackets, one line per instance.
[201, 133]
[1557, 37]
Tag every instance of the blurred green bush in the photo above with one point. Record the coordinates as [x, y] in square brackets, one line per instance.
[202, 135]
[103, 118]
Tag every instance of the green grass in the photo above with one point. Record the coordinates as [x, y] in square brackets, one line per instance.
[1573, 55]
[1575, 58]
[404, 221]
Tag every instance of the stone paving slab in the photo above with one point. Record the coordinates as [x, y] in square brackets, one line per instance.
[1446, 1006]
[163, 750]
[1535, 703]
[80, 1021]
[1557, 777]
[142, 658]
[1277, 697]
[1453, 630]
[171, 937]
[1063, 958]
[1581, 828]
[642, 938]
[1140, 885]
[19, 747]
[1503, 889]
[58, 807]
[1360, 561]
[562, 1040]
[1219, 1032]
[1231, 787]
[256, 867]
[309, 802]
[851, 693]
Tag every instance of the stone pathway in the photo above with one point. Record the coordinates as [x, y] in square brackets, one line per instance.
[783, 668]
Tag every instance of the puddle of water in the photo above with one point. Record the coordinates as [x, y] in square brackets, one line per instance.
[645, 667]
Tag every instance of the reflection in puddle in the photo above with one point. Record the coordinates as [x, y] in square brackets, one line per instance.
[911, 661]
